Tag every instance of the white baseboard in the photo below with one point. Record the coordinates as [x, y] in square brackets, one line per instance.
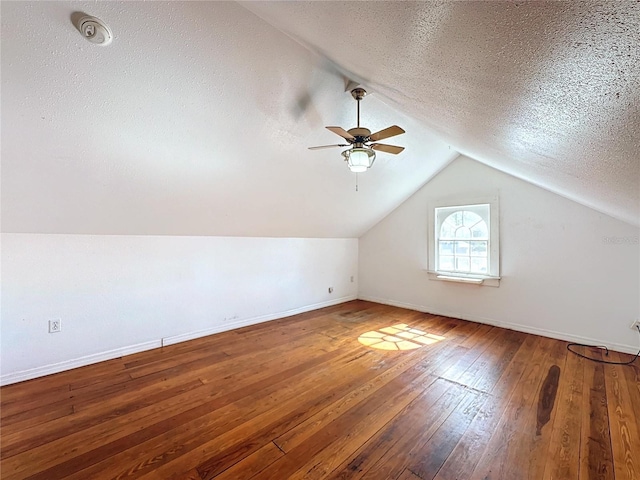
[511, 326]
[31, 373]
[76, 362]
[252, 321]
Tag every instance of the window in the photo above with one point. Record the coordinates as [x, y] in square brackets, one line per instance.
[463, 239]
[464, 242]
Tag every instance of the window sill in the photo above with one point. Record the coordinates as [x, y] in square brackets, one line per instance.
[484, 281]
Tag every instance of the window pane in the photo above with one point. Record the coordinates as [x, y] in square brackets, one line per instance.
[461, 248]
[479, 230]
[446, 263]
[446, 248]
[462, 264]
[455, 219]
[478, 249]
[463, 232]
[447, 230]
[478, 265]
[470, 218]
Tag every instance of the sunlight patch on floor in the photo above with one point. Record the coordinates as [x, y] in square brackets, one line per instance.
[398, 337]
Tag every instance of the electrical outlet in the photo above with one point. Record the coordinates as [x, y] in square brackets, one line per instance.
[55, 326]
[351, 278]
[635, 325]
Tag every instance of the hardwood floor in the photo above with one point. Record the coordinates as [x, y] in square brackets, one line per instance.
[301, 397]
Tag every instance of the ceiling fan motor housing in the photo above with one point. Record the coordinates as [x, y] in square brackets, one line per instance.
[360, 134]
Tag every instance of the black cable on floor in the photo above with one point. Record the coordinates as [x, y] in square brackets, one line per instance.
[606, 354]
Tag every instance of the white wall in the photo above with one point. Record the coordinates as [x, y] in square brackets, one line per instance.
[121, 294]
[568, 271]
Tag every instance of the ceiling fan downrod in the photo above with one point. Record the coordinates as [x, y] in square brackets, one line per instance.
[358, 94]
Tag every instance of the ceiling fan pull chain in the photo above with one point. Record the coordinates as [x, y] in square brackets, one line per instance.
[356, 181]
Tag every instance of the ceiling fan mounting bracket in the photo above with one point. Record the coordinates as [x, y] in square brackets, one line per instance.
[358, 93]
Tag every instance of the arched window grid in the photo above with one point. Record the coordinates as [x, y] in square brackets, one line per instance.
[463, 243]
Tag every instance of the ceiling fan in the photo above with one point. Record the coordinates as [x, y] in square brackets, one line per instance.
[361, 155]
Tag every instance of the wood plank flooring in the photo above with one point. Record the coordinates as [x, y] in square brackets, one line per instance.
[301, 398]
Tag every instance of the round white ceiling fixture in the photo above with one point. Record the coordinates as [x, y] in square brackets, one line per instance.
[95, 30]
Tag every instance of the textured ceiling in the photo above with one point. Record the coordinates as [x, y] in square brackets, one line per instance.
[546, 91]
[196, 119]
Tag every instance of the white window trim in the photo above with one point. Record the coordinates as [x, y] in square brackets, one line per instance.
[492, 280]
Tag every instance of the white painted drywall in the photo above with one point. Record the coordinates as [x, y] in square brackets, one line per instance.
[120, 294]
[568, 271]
[194, 121]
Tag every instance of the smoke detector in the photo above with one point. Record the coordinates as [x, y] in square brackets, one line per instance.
[95, 30]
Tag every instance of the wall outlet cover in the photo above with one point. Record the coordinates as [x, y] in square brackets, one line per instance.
[55, 325]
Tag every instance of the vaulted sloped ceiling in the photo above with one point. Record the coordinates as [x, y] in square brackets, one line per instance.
[196, 120]
[546, 91]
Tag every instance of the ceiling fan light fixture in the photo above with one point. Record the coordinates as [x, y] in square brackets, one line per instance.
[361, 155]
[359, 159]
